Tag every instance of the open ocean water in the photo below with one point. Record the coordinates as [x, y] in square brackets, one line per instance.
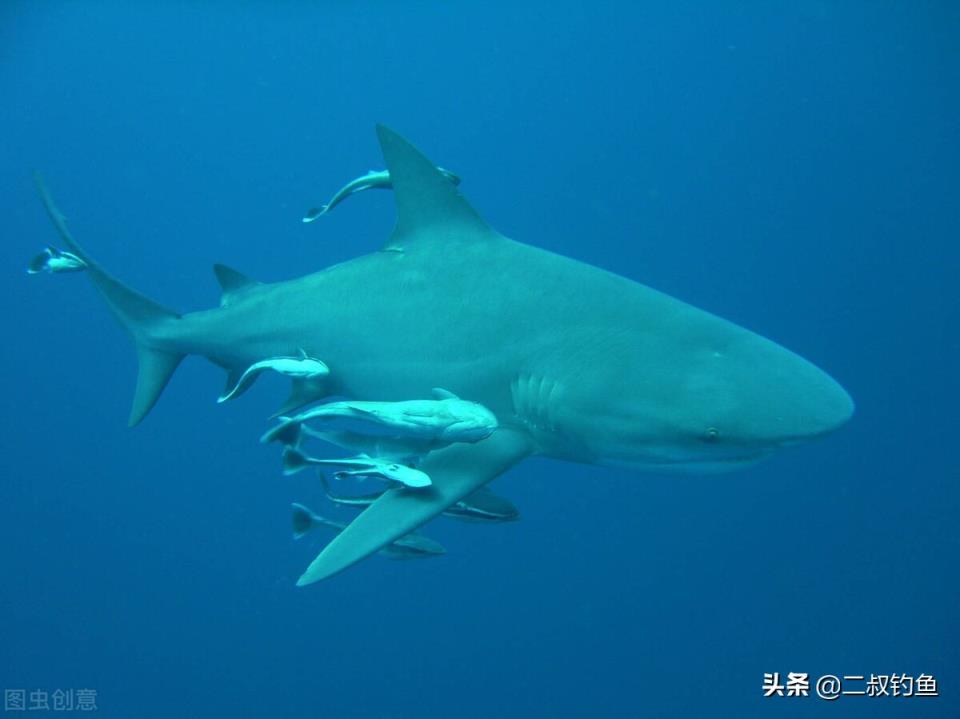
[791, 167]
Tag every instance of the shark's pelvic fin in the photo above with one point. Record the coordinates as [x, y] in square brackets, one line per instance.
[232, 283]
[456, 471]
[426, 199]
[304, 390]
[139, 315]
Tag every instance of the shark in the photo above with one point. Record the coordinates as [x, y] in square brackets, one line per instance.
[576, 363]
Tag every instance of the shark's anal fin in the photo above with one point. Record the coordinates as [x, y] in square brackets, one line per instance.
[428, 204]
[456, 471]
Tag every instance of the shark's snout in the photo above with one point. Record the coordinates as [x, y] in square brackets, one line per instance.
[823, 407]
[788, 399]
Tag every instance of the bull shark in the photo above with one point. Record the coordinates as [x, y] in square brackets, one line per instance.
[576, 363]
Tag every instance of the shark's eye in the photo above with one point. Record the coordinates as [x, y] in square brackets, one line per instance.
[711, 435]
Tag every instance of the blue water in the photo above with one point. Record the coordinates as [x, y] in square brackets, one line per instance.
[792, 167]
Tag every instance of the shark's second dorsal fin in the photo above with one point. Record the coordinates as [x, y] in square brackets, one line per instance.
[232, 283]
[427, 202]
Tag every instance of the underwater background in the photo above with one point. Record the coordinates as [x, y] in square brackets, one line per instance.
[791, 167]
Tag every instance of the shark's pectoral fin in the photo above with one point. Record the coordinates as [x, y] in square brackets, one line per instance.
[304, 391]
[456, 471]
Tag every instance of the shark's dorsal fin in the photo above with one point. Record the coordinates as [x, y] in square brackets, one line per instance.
[427, 202]
[232, 283]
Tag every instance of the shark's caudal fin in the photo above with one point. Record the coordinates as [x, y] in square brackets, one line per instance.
[456, 471]
[139, 315]
[426, 199]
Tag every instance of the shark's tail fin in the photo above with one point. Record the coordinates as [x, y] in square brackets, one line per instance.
[139, 315]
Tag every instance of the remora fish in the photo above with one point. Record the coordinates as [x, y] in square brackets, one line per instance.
[481, 506]
[302, 369]
[575, 362]
[373, 180]
[294, 460]
[403, 450]
[409, 546]
[440, 421]
[55, 261]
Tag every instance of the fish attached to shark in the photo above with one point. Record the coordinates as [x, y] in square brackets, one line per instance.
[575, 362]
[373, 180]
[409, 546]
[302, 369]
[54, 262]
[427, 423]
[481, 506]
[360, 467]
